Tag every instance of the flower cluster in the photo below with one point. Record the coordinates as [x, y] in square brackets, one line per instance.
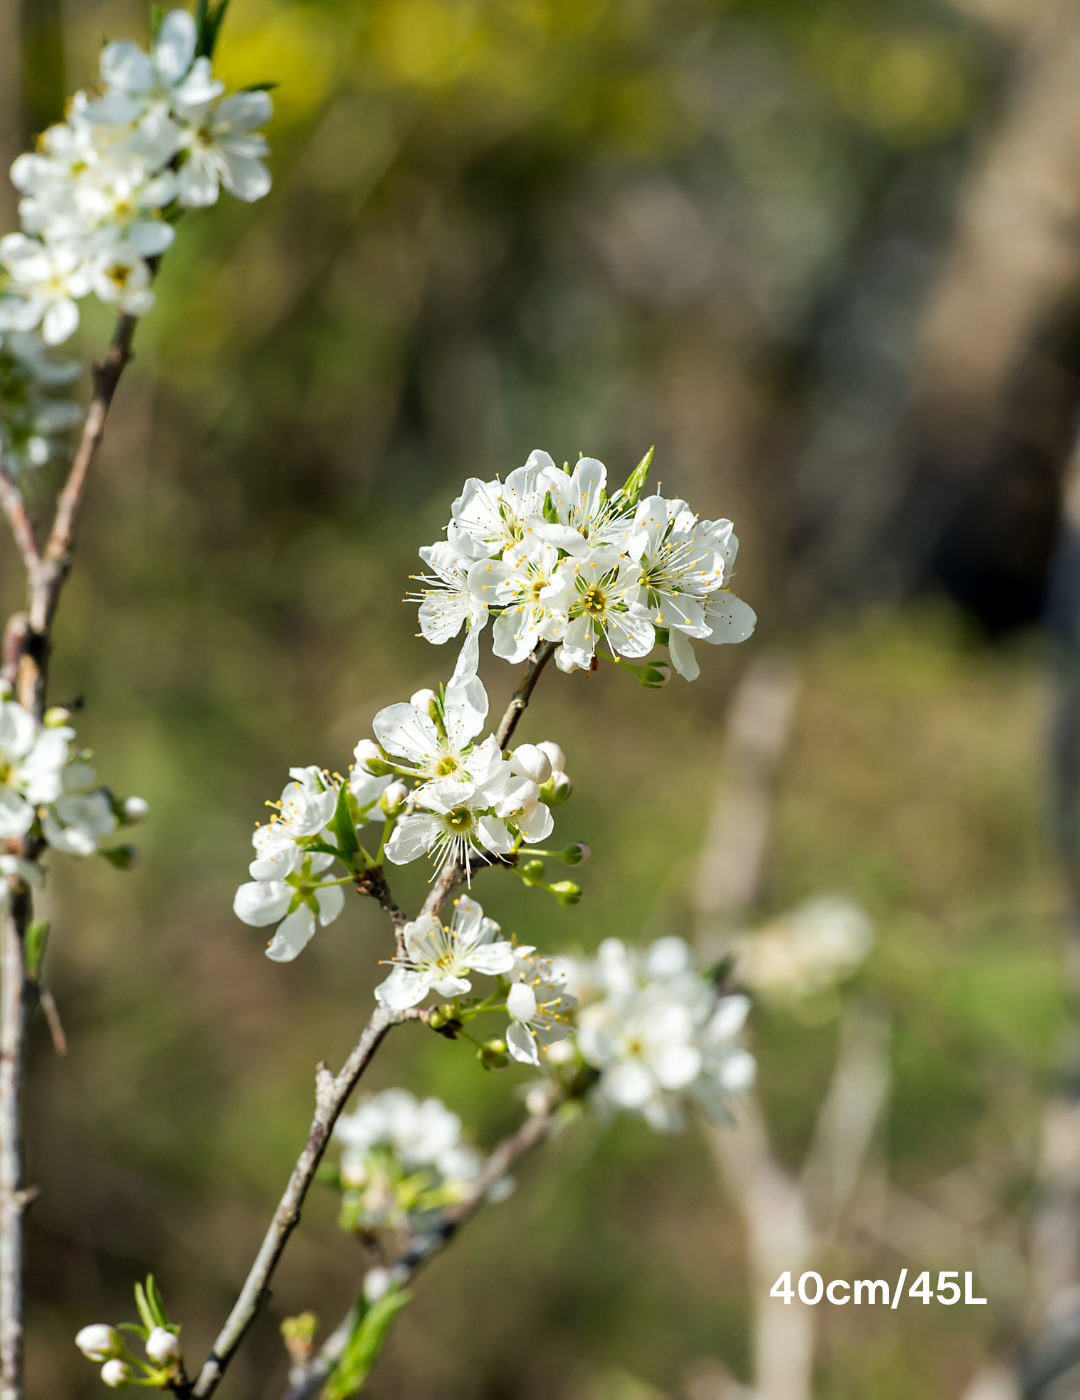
[29, 416]
[50, 790]
[554, 558]
[657, 1033]
[103, 190]
[806, 952]
[160, 1339]
[400, 1160]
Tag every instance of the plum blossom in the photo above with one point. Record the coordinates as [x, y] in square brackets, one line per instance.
[599, 597]
[32, 760]
[297, 904]
[539, 1006]
[401, 1159]
[657, 1032]
[533, 602]
[29, 417]
[440, 959]
[224, 146]
[433, 738]
[490, 516]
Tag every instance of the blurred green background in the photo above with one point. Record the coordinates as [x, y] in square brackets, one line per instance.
[740, 231]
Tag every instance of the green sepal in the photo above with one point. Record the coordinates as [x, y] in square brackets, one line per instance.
[663, 636]
[259, 87]
[143, 1305]
[34, 941]
[366, 1341]
[343, 825]
[157, 14]
[551, 515]
[133, 1327]
[121, 857]
[325, 848]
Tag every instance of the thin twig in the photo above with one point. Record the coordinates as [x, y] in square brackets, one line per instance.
[14, 507]
[422, 1248]
[331, 1093]
[52, 1019]
[16, 1001]
[452, 874]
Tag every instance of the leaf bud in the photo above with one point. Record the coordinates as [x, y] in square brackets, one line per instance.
[370, 759]
[162, 1346]
[566, 892]
[532, 872]
[530, 761]
[56, 717]
[556, 790]
[577, 853]
[492, 1054]
[99, 1342]
[299, 1334]
[394, 798]
[135, 809]
[123, 857]
[117, 1374]
[654, 675]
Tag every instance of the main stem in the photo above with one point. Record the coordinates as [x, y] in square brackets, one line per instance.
[15, 1007]
[25, 660]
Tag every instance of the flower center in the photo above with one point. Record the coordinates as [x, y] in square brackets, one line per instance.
[460, 819]
[595, 603]
[446, 765]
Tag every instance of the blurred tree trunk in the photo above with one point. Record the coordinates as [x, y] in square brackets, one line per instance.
[11, 136]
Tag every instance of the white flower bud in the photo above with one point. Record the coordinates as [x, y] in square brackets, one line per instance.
[378, 1281]
[117, 1374]
[56, 717]
[369, 758]
[162, 1345]
[136, 809]
[394, 799]
[564, 661]
[556, 757]
[422, 699]
[99, 1341]
[530, 761]
[556, 790]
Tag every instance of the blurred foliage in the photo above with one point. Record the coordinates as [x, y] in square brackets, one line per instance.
[576, 224]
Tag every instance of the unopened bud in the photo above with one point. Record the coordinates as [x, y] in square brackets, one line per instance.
[577, 853]
[394, 798]
[123, 857]
[436, 1020]
[299, 1334]
[57, 717]
[566, 892]
[422, 699]
[117, 1374]
[556, 790]
[99, 1341]
[655, 675]
[556, 757]
[135, 809]
[369, 758]
[492, 1054]
[530, 761]
[532, 872]
[162, 1346]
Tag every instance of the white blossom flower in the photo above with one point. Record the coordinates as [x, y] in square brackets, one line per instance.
[31, 765]
[682, 560]
[539, 1006]
[401, 1158]
[46, 283]
[29, 417]
[490, 516]
[658, 1033]
[143, 90]
[81, 816]
[586, 518]
[449, 604]
[524, 586]
[728, 618]
[296, 904]
[441, 959]
[224, 146]
[99, 1342]
[305, 807]
[600, 596]
[121, 278]
[439, 745]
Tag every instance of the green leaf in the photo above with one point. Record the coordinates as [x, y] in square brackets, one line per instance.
[630, 494]
[157, 14]
[156, 1301]
[149, 1320]
[366, 1341]
[325, 848]
[209, 17]
[260, 87]
[133, 1327]
[34, 942]
[343, 826]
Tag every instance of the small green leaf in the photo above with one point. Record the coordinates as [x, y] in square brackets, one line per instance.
[149, 1320]
[325, 848]
[260, 87]
[343, 825]
[133, 1327]
[156, 1301]
[366, 1341]
[630, 494]
[34, 943]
